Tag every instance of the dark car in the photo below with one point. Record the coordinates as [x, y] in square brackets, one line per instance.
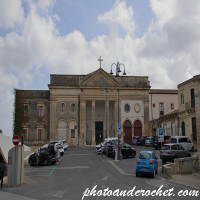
[169, 152]
[112, 145]
[141, 140]
[157, 144]
[126, 151]
[45, 157]
[134, 141]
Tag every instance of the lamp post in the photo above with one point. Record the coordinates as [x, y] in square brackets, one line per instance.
[119, 156]
[106, 88]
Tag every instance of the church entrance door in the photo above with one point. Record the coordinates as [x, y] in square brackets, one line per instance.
[137, 128]
[98, 132]
[127, 132]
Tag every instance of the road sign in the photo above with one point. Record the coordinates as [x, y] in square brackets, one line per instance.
[119, 127]
[160, 131]
[15, 140]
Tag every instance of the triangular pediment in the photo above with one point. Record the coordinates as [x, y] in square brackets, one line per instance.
[99, 78]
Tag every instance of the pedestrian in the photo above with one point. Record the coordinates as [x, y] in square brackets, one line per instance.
[38, 156]
[106, 150]
[2, 172]
[101, 146]
[57, 155]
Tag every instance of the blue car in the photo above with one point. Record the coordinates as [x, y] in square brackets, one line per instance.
[147, 163]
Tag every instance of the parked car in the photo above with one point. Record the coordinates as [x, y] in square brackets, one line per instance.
[45, 157]
[52, 144]
[155, 140]
[184, 141]
[149, 141]
[141, 140]
[64, 144]
[147, 163]
[102, 144]
[169, 152]
[60, 148]
[157, 144]
[112, 145]
[134, 141]
[126, 151]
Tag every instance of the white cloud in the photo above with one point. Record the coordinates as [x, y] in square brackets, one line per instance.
[11, 13]
[168, 52]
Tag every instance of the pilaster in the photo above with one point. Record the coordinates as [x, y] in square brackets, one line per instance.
[146, 117]
[93, 122]
[83, 121]
[53, 131]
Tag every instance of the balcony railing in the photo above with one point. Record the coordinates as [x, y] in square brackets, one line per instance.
[40, 118]
[189, 105]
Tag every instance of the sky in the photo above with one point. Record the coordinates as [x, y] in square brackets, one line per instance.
[155, 38]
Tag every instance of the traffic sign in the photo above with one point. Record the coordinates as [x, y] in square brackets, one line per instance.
[15, 140]
[119, 127]
[160, 131]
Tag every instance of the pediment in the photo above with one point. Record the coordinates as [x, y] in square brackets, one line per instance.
[99, 78]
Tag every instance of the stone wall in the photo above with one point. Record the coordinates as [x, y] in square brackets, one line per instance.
[182, 166]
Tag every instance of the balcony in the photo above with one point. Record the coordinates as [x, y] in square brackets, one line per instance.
[40, 118]
[190, 106]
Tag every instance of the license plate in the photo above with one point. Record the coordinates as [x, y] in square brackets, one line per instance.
[144, 169]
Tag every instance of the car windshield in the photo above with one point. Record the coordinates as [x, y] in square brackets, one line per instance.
[173, 140]
[165, 147]
[145, 156]
[58, 146]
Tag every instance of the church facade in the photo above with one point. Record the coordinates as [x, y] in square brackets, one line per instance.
[85, 109]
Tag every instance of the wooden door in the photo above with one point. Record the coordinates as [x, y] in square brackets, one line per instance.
[137, 128]
[127, 132]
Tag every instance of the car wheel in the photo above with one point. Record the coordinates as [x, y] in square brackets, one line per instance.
[45, 162]
[154, 173]
[192, 149]
[133, 154]
[188, 155]
[136, 174]
[31, 162]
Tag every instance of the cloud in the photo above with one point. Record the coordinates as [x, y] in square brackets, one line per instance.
[168, 52]
[11, 13]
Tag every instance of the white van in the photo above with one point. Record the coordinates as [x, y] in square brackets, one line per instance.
[184, 141]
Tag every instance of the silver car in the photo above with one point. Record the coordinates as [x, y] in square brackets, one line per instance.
[169, 152]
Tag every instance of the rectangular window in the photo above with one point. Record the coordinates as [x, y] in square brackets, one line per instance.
[25, 134]
[161, 107]
[40, 111]
[192, 98]
[25, 110]
[40, 134]
[182, 99]
[72, 133]
[172, 106]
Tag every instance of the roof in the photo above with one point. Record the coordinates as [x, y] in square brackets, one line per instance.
[161, 91]
[197, 77]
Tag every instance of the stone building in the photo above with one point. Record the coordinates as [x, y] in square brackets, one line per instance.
[189, 109]
[83, 109]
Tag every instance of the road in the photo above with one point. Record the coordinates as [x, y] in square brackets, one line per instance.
[82, 168]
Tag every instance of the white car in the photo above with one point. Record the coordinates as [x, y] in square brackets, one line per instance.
[184, 141]
[98, 147]
[60, 148]
[64, 144]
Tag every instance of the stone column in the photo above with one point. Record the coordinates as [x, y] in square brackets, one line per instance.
[93, 122]
[146, 117]
[53, 130]
[115, 117]
[83, 122]
[107, 106]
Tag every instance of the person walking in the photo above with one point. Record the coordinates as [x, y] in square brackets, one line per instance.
[57, 155]
[38, 156]
[2, 172]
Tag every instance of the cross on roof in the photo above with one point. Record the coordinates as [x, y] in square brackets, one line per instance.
[100, 61]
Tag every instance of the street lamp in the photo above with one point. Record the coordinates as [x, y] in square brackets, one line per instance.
[119, 157]
[106, 104]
